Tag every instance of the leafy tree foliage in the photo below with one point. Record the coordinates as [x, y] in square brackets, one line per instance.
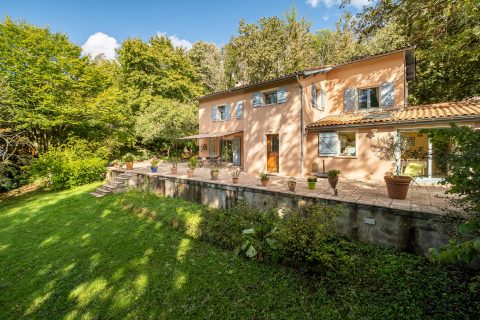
[208, 60]
[271, 48]
[447, 36]
[51, 87]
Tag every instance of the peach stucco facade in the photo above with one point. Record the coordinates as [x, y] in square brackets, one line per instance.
[298, 145]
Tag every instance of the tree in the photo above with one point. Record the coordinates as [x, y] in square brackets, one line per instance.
[51, 86]
[447, 36]
[208, 60]
[269, 49]
[162, 121]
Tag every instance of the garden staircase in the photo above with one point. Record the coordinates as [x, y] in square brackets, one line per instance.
[116, 185]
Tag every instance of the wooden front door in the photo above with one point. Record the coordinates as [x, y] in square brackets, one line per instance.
[272, 152]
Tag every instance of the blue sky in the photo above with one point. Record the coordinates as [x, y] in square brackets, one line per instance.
[107, 23]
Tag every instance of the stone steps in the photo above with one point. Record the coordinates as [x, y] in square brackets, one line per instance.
[117, 185]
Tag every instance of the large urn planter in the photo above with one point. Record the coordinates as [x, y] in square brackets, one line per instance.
[397, 186]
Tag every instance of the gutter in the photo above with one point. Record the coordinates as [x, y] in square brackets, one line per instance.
[302, 130]
[389, 124]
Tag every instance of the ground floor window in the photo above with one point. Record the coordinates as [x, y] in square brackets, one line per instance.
[348, 143]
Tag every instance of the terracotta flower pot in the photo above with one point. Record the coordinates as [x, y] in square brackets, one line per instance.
[214, 175]
[397, 186]
[264, 183]
[292, 185]
[173, 170]
[312, 185]
[129, 165]
[235, 180]
[333, 182]
[190, 173]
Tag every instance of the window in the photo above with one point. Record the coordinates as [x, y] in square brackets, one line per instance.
[368, 98]
[270, 97]
[221, 112]
[347, 142]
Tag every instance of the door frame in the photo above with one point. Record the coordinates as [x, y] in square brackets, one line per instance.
[266, 153]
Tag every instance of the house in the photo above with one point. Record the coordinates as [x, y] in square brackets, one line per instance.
[295, 124]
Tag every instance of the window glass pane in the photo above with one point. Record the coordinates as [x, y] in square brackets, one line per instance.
[274, 144]
[347, 143]
[270, 98]
[221, 112]
[362, 99]
[373, 95]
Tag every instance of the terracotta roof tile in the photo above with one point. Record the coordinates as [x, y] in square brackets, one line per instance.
[442, 110]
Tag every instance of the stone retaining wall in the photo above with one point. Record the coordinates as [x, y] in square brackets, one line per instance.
[409, 231]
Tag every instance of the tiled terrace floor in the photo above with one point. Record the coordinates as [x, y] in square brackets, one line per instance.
[424, 198]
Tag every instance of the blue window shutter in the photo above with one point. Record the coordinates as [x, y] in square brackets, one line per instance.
[314, 96]
[282, 95]
[327, 143]
[239, 111]
[323, 100]
[387, 95]
[214, 114]
[228, 112]
[349, 100]
[257, 99]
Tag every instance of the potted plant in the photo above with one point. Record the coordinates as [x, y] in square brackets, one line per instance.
[154, 165]
[116, 163]
[129, 158]
[312, 183]
[264, 178]
[174, 162]
[291, 183]
[393, 148]
[235, 175]
[332, 176]
[192, 164]
[214, 173]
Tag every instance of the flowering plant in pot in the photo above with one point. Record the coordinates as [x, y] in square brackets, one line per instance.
[235, 173]
[332, 176]
[214, 173]
[312, 183]
[154, 165]
[264, 178]
[192, 164]
[291, 183]
[393, 148]
[174, 162]
[129, 158]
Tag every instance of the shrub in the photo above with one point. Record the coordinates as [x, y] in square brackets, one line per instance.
[69, 166]
[333, 173]
[128, 157]
[154, 163]
[311, 179]
[192, 162]
[264, 177]
[308, 241]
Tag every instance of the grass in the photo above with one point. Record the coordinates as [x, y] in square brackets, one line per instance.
[69, 255]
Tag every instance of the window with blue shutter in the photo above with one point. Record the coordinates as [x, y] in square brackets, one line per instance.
[257, 99]
[314, 96]
[387, 94]
[327, 143]
[228, 111]
[282, 95]
[239, 111]
[349, 100]
[214, 114]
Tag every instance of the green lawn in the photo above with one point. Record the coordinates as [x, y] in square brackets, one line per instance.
[69, 255]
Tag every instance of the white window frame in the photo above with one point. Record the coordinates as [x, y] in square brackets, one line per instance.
[219, 114]
[264, 94]
[368, 98]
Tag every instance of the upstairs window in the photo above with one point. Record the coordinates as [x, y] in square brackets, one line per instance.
[368, 98]
[270, 97]
[221, 113]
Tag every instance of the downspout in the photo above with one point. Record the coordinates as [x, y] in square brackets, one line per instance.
[302, 131]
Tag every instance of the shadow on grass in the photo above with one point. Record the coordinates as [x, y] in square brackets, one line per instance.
[67, 254]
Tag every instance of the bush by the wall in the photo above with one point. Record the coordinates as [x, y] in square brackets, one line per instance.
[70, 165]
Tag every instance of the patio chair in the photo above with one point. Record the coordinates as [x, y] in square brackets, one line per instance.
[414, 169]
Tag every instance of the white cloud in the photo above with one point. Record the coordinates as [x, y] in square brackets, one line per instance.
[176, 41]
[330, 3]
[98, 43]
[325, 18]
